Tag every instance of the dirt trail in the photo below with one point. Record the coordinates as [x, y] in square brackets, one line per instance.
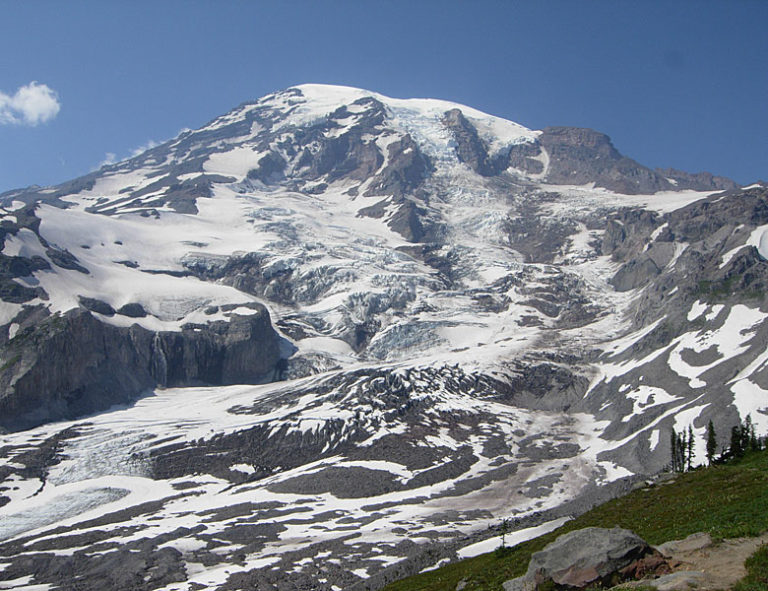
[722, 563]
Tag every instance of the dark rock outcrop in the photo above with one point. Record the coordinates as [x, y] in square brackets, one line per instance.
[66, 260]
[525, 157]
[702, 219]
[323, 152]
[578, 156]
[406, 169]
[470, 149]
[94, 305]
[627, 232]
[698, 181]
[408, 221]
[132, 310]
[72, 364]
[636, 273]
[12, 267]
[271, 169]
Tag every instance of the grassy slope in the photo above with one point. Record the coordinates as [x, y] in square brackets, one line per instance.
[757, 572]
[727, 501]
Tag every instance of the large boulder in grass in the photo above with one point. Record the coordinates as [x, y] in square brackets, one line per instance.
[587, 557]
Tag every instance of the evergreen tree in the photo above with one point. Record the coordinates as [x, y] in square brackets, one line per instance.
[679, 450]
[673, 449]
[689, 454]
[682, 446]
[711, 442]
[504, 529]
[747, 432]
[735, 450]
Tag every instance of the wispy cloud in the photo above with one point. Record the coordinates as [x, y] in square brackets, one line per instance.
[148, 146]
[112, 158]
[31, 104]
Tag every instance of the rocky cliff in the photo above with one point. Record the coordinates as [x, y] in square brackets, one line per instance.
[70, 365]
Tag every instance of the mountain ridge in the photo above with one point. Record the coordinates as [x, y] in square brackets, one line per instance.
[588, 137]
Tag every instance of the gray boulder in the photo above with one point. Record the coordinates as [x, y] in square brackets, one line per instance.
[585, 557]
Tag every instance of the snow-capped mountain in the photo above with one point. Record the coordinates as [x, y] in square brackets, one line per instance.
[348, 333]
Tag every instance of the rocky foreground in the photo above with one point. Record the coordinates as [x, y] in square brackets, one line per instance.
[596, 556]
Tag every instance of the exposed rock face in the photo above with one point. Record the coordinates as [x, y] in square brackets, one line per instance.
[470, 149]
[271, 169]
[407, 168]
[578, 156]
[14, 267]
[120, 572]
[635, 273]
[411, 222]
[526, 157]
[168, 191]
[587, 557]
[72, 364]
[686, 248]
[699, 181]
[132, 310]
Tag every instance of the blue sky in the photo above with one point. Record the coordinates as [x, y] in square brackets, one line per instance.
[682, 84]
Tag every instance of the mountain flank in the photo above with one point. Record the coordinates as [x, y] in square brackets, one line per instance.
[331, 337]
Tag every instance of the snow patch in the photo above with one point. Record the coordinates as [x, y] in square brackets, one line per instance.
[646, 397]
[759, 239]
[697, 309]
[653, 440]
[511, 539]
[236, 162]
[730, 340]
[751, 399]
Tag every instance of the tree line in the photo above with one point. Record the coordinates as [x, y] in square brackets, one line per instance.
[743, 438]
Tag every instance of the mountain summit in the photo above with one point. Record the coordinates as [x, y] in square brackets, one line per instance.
[349, 331]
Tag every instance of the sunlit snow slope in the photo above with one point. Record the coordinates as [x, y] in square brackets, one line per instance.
[347, 333]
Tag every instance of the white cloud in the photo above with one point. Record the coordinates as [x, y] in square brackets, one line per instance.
[148, 146]
[31, 104]
[112, 158]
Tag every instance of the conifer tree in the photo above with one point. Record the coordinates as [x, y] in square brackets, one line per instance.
[504, 529]
[680, 449]
[682, 445]
[689, 453]
[747, 431]
[673, 449]
[735, 447]
[711, 442]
